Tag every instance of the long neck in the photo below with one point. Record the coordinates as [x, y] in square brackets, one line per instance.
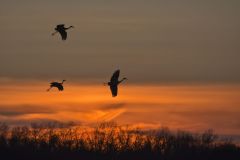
[62, 82]
[68, 27]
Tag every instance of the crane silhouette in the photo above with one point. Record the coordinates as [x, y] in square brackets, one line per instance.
[57, 85]
[114, 82]
[62, 30]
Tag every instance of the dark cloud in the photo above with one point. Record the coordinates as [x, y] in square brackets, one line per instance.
[113, 106]
[208, 113]
[41, 123]
[18, 110]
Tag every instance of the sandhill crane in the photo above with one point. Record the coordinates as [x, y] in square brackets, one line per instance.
[57, 85]
[114, 82]
[62, 30]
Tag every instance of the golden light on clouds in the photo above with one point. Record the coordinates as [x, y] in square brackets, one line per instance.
[193, 107]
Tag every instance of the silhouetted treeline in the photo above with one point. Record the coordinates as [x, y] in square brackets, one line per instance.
[110, 141]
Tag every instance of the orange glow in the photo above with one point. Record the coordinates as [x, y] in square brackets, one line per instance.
[193, 107]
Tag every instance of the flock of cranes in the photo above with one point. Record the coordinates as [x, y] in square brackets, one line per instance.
[114, 81]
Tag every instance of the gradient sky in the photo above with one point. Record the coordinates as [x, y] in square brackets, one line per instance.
[150, 41]
[187, 107]
[181, 59]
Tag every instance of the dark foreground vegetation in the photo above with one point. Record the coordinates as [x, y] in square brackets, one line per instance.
[109, 141]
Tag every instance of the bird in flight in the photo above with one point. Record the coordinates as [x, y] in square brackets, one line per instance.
[57, 85]
[62, 30]
[114, 82]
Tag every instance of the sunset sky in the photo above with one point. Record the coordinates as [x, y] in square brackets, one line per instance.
[181, 59]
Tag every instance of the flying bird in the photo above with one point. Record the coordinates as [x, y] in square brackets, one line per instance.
[114, 82]
[57, 85]
[62, 30]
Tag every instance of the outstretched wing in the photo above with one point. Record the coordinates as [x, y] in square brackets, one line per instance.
[114, 90]
[63, 34]
[60, 87]
[115, 76]
[54, 83]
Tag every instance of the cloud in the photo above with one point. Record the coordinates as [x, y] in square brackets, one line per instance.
[113, 106]
[69, 112]
[18, 110]
[42, 123]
